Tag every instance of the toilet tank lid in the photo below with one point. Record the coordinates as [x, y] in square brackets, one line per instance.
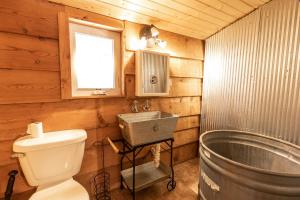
[49, 140]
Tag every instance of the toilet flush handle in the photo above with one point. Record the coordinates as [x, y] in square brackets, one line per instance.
[18, 155]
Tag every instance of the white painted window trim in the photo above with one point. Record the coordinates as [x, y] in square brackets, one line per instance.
[96, 30]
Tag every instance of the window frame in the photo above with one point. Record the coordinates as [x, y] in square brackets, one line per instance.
[69, 88]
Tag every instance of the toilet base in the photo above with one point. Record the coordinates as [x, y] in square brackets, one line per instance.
[67, 190]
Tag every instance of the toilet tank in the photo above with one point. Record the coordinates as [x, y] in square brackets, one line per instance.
[55, 157]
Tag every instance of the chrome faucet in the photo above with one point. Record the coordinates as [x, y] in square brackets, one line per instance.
[147, 105]
[135, 106]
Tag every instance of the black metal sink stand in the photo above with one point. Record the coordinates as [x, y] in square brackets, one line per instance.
[135, 150]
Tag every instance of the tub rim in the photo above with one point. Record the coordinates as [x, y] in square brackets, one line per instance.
[255, 169]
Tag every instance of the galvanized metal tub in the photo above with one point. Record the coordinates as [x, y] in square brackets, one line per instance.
[239, 165]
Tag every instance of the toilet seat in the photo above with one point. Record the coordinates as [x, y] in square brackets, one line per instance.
[67, 190]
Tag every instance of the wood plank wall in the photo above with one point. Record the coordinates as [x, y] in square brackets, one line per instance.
[30, 90]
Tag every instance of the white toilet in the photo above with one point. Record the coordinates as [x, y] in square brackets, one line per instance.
[51, 161]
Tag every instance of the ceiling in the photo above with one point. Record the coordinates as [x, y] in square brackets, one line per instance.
[195, 18]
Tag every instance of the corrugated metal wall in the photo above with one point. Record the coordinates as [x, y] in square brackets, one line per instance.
[251, 73]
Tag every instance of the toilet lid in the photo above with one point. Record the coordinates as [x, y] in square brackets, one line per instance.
[67, 190]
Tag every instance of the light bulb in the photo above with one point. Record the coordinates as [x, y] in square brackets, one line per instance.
[162, 44]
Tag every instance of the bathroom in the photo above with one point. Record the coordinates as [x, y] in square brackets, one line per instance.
[222, 106]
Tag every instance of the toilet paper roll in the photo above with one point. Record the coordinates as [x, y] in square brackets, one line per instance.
[35, 129]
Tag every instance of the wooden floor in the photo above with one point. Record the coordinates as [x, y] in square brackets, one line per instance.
[186, 176]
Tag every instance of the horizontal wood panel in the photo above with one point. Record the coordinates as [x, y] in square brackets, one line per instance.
[92, 160]
[186, 136]
[187, 122]
[185, 87]
[178, 45]
[182, 153]
[180, 87]
[18, 86]
[179, 67]
[113, 132]
[108, 109]
[31, 17]
[184, 106]
[25, 52]
[5, 152]
[185, 152]
[69, 114]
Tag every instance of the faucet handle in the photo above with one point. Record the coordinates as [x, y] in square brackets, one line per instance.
[135, 106]
[147, 105]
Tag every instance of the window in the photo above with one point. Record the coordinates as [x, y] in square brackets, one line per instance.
[94, 59]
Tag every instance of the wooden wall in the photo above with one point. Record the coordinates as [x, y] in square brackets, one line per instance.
[30, 90]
